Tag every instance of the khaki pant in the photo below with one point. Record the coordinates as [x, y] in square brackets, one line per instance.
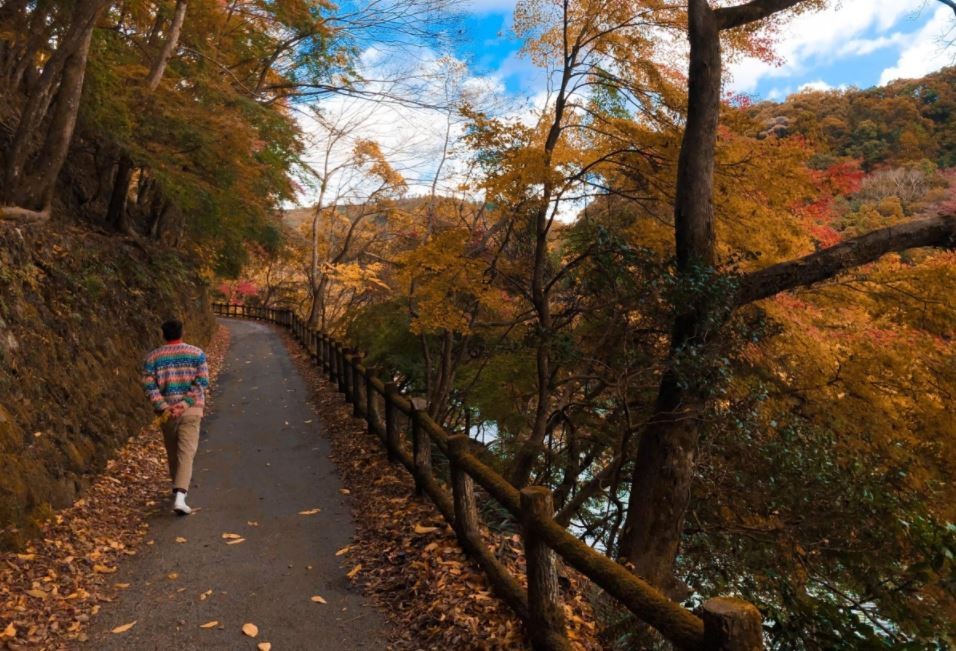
[181, 437]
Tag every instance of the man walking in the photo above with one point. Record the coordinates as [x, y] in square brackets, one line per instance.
[175, 378]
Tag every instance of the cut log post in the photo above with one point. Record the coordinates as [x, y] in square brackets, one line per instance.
[342, 377]
[349, 380]
[546, 626]
[731, 624]
[372, 416]
[391, 421]
[463, 492]
[421, 448]
[358, 386]
[333, 362]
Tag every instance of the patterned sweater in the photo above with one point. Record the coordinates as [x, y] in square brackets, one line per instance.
[174, 373]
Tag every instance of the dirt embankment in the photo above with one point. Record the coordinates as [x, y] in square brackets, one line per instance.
[77, 312]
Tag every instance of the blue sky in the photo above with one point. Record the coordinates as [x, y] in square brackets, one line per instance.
[858, 43]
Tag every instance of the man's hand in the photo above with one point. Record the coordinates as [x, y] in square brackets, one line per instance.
[177, 410]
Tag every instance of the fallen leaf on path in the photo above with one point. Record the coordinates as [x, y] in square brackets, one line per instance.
[9, 631]
[124, 627]
[355, 570]
[250, 629]
[345, 491]
[103, 569]
[121, 586]
[39, 594]
[319, 600]
[236, 541]
[26, 557]
[264, 646]
[343, 550]
[207, 593]
[172, 576]
[252, 523]
[231, 536]
[211, 624]
[180, 539]
[423, 529]
[310, 512]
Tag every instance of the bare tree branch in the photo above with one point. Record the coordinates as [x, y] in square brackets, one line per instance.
[932, 231]
[731, 17]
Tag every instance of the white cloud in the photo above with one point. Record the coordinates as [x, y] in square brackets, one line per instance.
[818, 84]
[822, 36]
[411, 135]
[489, 6]
[924, 50]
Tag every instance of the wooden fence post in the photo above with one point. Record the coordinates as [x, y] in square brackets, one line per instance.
[333, 362]
[421, 446]
[371, 408]
[463, 491]
[358, 386]
[546, 615]
[349, 380]
[731, 624]
[342, 367]
[391, 421]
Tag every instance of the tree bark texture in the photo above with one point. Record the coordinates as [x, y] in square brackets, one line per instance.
[664, 466]
[61, 81]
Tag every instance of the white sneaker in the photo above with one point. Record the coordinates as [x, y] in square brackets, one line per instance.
[179, 504]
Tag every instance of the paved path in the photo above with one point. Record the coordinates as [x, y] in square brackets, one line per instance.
[262, 459]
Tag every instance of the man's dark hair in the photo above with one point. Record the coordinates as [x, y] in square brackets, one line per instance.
[172, 330]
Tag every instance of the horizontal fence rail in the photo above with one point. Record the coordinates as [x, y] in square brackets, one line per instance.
[725, 624]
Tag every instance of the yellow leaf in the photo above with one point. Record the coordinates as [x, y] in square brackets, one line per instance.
[211, 624]
[423, 529]
[180, 539]
[250, 629]
[124, 627]
[231, 536]
[9, 631]
[39, 594]
[102, 569]
[355, 570]
[264, 646]
[309, 512]
[236, 541]
[343, 550]
[319, 600]
[121, 586]
[26, 557]
[172, 576]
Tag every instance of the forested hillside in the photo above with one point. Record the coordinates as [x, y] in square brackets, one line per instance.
[720, 332]
[823, 482]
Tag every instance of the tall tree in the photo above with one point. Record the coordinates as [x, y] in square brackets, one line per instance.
[665, 462]
[36, 155]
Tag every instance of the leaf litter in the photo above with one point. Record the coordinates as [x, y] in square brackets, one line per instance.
[445, 600]
[72, 560]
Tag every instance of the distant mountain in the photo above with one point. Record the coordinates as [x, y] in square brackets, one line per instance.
[908, 120]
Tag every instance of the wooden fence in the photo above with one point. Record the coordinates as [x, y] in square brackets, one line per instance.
[725, 623]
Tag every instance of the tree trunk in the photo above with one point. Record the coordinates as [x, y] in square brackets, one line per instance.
[664, 467]
[172, 42]
[62, 78]
[117, 215]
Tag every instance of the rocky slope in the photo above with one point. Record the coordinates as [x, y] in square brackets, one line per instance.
[77, 312]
